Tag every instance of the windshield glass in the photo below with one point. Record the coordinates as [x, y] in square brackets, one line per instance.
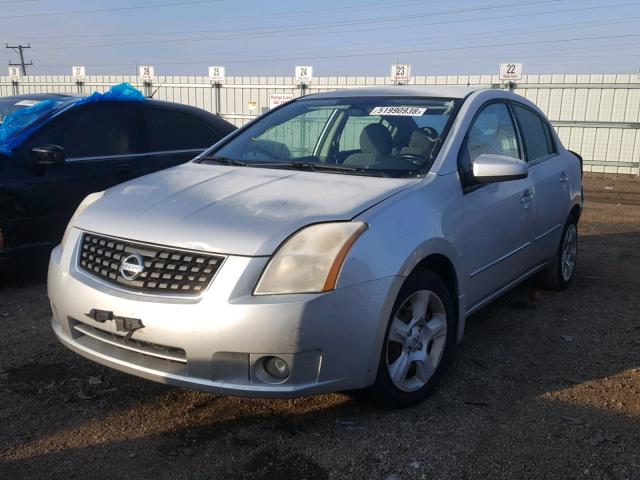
[23, 115]
[391, 135]
[10, 105]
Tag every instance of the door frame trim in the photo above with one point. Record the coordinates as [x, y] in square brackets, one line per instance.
[492, 296]
[551, 230]
[495, 262]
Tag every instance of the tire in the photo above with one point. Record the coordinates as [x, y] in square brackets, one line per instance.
[425, 346]
[558, 274]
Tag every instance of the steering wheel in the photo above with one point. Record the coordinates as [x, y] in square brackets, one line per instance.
[413, 158]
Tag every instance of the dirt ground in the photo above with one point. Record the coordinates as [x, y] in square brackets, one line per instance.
[544, 388]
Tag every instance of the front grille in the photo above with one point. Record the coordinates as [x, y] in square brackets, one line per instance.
[166, 270]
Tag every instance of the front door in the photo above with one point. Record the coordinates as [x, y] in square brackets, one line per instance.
[98, 139]
[495, 228]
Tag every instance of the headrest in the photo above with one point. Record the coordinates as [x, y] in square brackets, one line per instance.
[376, 139]
[420, 139]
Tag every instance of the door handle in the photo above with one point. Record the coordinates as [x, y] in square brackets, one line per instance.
[527, 196]
[564, 178]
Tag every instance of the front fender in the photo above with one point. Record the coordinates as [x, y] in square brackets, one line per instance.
[404, 231]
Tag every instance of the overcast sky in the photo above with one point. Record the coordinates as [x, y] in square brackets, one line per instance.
[337, 37]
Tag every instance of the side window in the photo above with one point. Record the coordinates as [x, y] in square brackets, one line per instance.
[296, 138]
[493, 132]
[92, 131]
[535, 134]
[169, 130]
[350, 137]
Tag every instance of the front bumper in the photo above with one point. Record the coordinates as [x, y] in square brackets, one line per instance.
[217, 342]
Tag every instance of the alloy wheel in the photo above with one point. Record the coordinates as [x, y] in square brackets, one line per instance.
[416, 340]
[569, 252]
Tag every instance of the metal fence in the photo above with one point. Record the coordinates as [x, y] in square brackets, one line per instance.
[597, 115]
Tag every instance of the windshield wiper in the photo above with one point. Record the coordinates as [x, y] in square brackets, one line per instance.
[223, 161]
[322, 167]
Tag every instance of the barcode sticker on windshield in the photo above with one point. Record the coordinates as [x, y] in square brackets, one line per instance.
[399, 111]
[27, 103]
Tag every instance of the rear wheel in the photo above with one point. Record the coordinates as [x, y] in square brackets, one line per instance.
[419, 337]
[558, 274]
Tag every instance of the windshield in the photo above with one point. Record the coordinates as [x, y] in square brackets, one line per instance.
[10, 105]
[361, 135]
[22, 115]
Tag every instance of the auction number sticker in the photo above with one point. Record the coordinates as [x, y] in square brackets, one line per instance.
[26, 103]
[399, 111]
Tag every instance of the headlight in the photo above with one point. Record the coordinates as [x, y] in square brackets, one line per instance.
[310, 260]
[86, 203]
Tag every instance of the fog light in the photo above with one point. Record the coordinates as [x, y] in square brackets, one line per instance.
[276, 367]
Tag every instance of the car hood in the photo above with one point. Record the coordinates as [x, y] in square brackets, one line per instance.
[233, 210]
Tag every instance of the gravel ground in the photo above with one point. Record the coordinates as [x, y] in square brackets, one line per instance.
[542, 387]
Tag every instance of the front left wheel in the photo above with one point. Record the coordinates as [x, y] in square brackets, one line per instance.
[419, 337]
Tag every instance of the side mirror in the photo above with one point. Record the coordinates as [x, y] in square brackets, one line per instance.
[489, 168]
[48, 155]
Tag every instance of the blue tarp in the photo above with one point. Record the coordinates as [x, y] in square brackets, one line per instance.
[22, 123]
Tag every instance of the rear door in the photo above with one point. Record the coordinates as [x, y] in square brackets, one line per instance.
[100, 142]
[173, 137]
[549, 173]
[495, 220]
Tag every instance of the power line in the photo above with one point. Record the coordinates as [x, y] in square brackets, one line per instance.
[327, 27]
[395, 53]
[113, 9]
[19, 49]
[447, 49]
[247, 32]
[481, 35]
[382, 5]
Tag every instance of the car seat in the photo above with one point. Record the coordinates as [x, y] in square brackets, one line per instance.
[375, 147]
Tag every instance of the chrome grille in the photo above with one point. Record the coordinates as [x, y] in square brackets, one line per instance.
[166, 270]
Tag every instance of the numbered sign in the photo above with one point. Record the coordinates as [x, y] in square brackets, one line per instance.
[510, 71]
[78, 73]
[401, 73]
[276, 99]
[14, 73]
[216, 74]
[304, 73]
[147, 73]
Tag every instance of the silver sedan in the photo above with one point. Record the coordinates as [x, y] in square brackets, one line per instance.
[338, 242]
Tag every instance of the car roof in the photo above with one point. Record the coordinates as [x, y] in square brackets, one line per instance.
[40, 96]
[436, 91]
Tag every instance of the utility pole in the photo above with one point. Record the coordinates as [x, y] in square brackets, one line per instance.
[19, 49]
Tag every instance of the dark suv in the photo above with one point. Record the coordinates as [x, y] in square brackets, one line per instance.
[88, 148]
